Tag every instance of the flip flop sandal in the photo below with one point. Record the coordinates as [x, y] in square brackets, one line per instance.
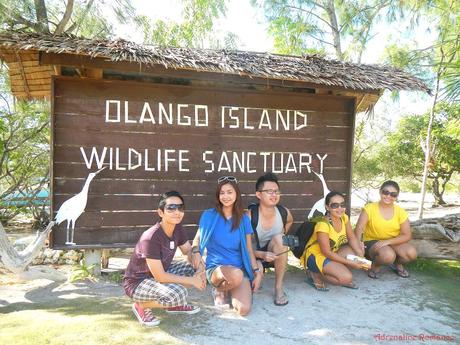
[318, 286]
[373, 274]
[280, 304]
[403, 273]
[351, 286]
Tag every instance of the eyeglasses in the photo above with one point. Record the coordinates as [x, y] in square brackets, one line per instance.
[173, 207]
[336, 205]
[392, 194]
[227, 178]
[271, 191]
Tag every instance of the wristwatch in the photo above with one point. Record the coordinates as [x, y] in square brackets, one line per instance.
[257, 269]
[195, 250]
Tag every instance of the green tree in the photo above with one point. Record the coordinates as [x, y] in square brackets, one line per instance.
[442, 61]
[195, 30]
[24, 156]
[405, 146]
[86, 18]
[345, 27]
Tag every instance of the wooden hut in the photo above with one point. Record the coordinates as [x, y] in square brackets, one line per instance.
[178, 118]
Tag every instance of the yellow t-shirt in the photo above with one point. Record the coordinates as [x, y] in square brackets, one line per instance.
[336, 240]
[378, 228]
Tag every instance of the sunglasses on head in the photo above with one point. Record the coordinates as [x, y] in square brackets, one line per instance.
[336, 205]
[392, 194]
[227, 178]
[173, 207]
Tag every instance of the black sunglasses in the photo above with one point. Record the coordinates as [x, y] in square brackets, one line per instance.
[227, 178]
[335, 205]
[173, 207]
[392, 194]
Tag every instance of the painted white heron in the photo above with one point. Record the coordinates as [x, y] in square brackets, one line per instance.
[72, 208]
[320, 205]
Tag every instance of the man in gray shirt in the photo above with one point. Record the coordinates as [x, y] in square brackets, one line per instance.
[270, 222]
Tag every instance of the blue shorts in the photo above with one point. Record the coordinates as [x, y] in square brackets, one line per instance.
[312, 266]
[210, 271]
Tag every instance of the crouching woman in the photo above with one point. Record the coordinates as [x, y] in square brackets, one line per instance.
[152, 279]
[225, 232]
[332, 240]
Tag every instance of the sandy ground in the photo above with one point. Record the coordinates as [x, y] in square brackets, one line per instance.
[390, 306]
[375, 313]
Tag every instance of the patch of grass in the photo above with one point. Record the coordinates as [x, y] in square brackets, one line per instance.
[85, 320]
[115, 277]
[442, 277]
[445, 268]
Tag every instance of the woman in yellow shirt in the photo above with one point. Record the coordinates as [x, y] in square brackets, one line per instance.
[387, 232]
[326, 251]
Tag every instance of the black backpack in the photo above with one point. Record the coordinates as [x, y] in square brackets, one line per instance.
[304, 232]
[254, 209]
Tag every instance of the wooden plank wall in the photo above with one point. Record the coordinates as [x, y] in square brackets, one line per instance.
[121, 203]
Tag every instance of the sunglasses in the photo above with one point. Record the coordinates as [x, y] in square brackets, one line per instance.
[227, 178]
[392, 194]
[271, 191]
[173, 207]
[336, 205]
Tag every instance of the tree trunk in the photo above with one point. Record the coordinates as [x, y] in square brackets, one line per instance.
[42, 16]
[65, 19]
[330, 9]
[437, 193]
[18, 262]
[427, 147]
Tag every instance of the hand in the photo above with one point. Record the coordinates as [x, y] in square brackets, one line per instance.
[257, 281]
[269, 257]
[199, 280]
[356, 265]
[381, 244]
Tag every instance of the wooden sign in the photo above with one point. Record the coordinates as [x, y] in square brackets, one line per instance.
[183, 138]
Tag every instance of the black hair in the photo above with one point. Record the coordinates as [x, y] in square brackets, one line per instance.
[268, 177]
[332, 194]
[390, 183]
[166, 195]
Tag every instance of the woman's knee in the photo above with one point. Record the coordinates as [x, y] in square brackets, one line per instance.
[410, 254]
[233, 276]
[385, 256]
[346, 279]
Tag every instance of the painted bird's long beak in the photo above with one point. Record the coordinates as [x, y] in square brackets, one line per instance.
[97, 172]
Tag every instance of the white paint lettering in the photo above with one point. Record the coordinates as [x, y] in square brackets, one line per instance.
[204, 109]
[146, 110]
[107, 111]
[181, 117]
[183, 159]
[208, 161]
[99, 160]
[132, 152]
[300, 120]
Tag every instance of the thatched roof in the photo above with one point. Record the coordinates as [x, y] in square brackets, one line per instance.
[311, 69]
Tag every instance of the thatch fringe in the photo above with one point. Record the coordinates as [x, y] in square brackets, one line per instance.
[307, 68]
